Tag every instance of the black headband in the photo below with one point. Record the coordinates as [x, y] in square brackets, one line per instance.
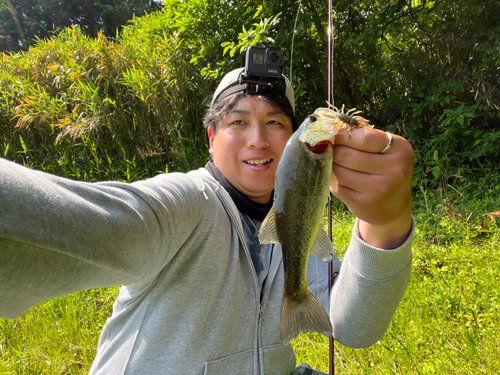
[277, 87]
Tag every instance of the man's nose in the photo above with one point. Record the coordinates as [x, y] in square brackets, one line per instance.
[258, 137]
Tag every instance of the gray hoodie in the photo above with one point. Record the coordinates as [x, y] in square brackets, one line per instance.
[191, 301]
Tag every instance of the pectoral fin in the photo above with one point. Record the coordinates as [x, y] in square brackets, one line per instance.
[323, 247]
[268, 233]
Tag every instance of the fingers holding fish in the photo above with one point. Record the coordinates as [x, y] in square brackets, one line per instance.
[367, 180]
[376, 187]
[371, 140]
[361, 152]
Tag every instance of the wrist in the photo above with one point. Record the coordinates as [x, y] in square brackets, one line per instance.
[388, 235]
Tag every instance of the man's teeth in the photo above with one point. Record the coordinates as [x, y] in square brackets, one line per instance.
[258, 162]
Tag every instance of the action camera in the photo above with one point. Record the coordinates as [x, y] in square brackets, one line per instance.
[264, 62]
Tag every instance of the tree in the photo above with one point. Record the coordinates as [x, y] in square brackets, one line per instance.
[23, 22]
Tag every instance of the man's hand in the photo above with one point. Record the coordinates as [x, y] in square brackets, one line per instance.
[376, 187]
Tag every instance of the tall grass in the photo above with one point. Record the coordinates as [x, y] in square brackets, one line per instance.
[447, 323]
[135, 98]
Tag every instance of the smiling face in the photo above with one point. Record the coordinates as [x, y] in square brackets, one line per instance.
[247, 146]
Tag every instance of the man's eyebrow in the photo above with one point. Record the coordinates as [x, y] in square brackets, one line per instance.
[269, 113]
[240, 111]
[275, 112]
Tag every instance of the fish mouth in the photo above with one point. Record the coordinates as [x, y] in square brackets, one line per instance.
[257, 162]
[319, 148]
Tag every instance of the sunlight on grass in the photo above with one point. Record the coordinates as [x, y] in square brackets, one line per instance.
[57, 336]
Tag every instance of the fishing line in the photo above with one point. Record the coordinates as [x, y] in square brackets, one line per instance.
[331, 48]
[293, 37]
[330, 105]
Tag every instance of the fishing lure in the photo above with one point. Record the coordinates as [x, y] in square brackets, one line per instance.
[340, 118]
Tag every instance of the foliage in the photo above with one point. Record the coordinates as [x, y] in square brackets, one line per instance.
[142, 96]
[432, 75]
[449, 317]
[123, 101]
[425, 70]
[23, 22]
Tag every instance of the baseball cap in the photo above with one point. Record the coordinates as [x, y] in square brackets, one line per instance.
[236, 80]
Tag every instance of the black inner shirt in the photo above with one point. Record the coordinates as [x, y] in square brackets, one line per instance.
[254, 210]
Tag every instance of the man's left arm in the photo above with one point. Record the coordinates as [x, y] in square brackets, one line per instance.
[375, 271]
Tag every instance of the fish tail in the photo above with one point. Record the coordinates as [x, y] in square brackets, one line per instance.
[305, 315]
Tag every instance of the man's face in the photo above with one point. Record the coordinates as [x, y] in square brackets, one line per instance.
[248, 144]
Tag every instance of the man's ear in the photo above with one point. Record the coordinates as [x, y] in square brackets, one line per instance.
[211, 136]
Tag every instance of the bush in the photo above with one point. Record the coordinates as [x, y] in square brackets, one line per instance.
[123, 101]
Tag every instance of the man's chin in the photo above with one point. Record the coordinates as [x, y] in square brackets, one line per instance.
[260, 197]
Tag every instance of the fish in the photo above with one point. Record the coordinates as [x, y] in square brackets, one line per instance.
[302, 186]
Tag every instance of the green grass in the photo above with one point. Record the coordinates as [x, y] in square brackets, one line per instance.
[58, 336]
[447, 323]
[449, 319]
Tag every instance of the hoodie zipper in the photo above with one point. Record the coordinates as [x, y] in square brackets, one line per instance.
[241, 236]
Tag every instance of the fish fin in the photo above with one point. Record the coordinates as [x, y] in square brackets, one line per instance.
[323, 247]
[334, 183]
[267, 232]
[306, 315]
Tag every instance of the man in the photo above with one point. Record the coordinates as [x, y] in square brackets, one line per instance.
[199, 296]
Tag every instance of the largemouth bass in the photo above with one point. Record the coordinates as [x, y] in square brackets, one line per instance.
[301, 190]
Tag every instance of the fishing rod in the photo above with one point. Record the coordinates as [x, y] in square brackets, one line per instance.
[331, 103]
